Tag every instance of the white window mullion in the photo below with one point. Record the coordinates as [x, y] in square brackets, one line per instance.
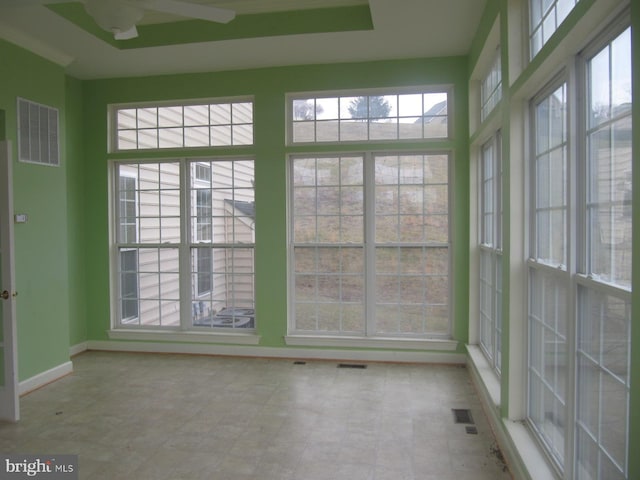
[184, 254]
[370, 243]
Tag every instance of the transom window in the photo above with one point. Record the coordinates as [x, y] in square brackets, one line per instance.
[207, 124]
[166, 248]
[544, 18]
[491, 88]
[370, 245]
[364, 116]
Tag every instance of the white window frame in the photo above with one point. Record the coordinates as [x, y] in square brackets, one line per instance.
[369, 336]
[581, 285]
[343, 96]
[590, 284]
[219, 132]
[491, 87]
[541, 384]
[125, 328]
[548, 20]
[131, 318]
[490, 246]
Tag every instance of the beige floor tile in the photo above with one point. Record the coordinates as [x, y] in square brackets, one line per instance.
[177, 417]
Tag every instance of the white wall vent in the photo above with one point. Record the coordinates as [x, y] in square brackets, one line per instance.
[38, 133]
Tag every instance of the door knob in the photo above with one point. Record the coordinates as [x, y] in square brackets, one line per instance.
[5, 294]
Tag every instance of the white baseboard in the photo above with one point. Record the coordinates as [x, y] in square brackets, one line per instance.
[45, 378]
[78, 348]
[277, 352]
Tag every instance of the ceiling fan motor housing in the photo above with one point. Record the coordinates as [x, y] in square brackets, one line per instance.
[114, 15]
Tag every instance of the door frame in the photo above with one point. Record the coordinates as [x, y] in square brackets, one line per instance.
[9, 393]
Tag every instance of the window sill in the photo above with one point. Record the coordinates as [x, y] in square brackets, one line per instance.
[191, 337]
[358, 342]
[489, 377]
[525, 457]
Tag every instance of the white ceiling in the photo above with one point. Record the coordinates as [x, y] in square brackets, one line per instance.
[402, 29]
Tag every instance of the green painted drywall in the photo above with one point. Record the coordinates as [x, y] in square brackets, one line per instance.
[259, 25]
[74, 166]
[3, 126]
[41, 249]
[268, 86]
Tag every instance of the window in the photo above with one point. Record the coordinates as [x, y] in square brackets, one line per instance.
[604, 288]
[38, 135]
[222, 255]
[370, 245]
[548, 274]
[210, 124]
[490, 251]
[544, 18]
[579, 321]
[363, 116]
[491, 88]
[151, 244]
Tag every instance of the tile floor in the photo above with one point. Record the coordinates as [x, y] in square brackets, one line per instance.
[146, 416]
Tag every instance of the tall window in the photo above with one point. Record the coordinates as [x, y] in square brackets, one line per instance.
[491, 251]
[548, 274]
[155, 232]
[544, 18]
[371, 245]
[580, 277]
[222, 253]
[604, 287]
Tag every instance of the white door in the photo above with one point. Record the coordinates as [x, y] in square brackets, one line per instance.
[9, 398]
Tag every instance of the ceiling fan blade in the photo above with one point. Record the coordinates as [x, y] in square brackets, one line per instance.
[191, 10]
[127, 35]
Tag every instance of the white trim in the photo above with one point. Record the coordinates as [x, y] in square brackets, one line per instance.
[9, 401]
[191, 337]
[276, 352]
[77, 348]
[521, 451]
[43, 49]
[44, 378]
[481, 367]
[357, 342]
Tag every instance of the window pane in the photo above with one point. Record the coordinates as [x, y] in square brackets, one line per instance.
[159, 292]
[370, 117]
[609, 165]
[604, 323]
[548, 358]
[550, 179]
[545, 16]
[180, 126]
[223, 214]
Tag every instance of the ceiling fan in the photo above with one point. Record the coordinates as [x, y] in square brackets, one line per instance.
[121, 16]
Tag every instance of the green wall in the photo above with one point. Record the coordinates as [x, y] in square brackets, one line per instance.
[41, 244]
[268, 86]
